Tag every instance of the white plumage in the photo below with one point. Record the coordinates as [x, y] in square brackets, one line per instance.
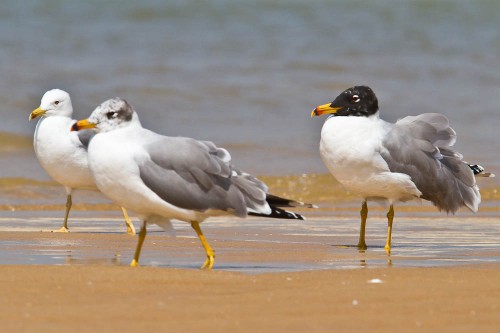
[61, 152]
[350, 148]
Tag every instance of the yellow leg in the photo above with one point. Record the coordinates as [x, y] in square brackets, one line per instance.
[210, 253]
[128, 223]
[142, 236]
[364, 215]
[64, 227]
[390, 218]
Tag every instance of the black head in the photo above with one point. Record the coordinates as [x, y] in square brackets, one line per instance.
[358, 101]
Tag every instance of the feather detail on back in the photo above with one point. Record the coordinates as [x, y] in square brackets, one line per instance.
[419, 147]
[196, 175]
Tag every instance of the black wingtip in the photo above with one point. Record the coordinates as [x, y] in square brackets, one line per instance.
[278, 213]
[478, 171]
[274, 200]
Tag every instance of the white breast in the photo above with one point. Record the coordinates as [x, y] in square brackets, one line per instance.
[114, 159]
[350, 148]
[58, 151]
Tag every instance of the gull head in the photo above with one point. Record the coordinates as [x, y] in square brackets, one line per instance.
[55, 102]
[358, 101]
[110, 115]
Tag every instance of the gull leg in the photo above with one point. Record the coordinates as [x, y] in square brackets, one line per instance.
[128, 222]
[390, 218]
[364, 215]
[210, 253]
[64, 227]
[142, 236]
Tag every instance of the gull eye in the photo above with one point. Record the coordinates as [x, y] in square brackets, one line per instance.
[56, 102]
[355, 98]
[111, 115]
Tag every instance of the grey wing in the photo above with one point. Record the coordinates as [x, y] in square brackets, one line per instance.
[197, 175]
[419, 147]
[85, 136]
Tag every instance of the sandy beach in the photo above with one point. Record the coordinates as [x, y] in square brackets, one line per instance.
[269, 275]
[442, 276]
[246, 76]
[102, 298]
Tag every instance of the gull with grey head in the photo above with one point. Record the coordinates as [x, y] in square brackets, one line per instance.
[162, 178]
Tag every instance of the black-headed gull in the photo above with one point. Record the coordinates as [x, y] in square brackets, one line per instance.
[381, 161]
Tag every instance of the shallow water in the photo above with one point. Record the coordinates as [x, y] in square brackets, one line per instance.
[423, 233]
[422, 236]
[20, 194]
[253, 245]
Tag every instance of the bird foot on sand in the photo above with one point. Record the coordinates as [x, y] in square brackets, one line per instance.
[61, 229]
[362, 246]
[131, 231]
[208, 263]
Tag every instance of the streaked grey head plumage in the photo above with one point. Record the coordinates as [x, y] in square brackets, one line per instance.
[112, 114]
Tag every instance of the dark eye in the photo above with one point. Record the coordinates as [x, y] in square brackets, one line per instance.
[355, 98]
[111, 115]
[56, 102]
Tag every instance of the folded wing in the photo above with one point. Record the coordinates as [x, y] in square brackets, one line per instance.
[420, 147]
[197, 175]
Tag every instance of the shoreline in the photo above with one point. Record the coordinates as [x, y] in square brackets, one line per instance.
[320, 242]
[269, 275]
[21, 195]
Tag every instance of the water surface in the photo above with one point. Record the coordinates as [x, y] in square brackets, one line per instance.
[246, 74]
[321, 242]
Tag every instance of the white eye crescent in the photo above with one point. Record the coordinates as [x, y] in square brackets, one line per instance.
[111, 115]
[355, 98]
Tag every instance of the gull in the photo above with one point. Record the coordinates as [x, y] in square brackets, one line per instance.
[161, 178]
[61, 152]
[381, 161]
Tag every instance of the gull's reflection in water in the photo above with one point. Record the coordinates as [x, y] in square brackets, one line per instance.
[363, 262]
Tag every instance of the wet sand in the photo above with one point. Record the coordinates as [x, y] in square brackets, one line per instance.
[269, 276]
[103, 298]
